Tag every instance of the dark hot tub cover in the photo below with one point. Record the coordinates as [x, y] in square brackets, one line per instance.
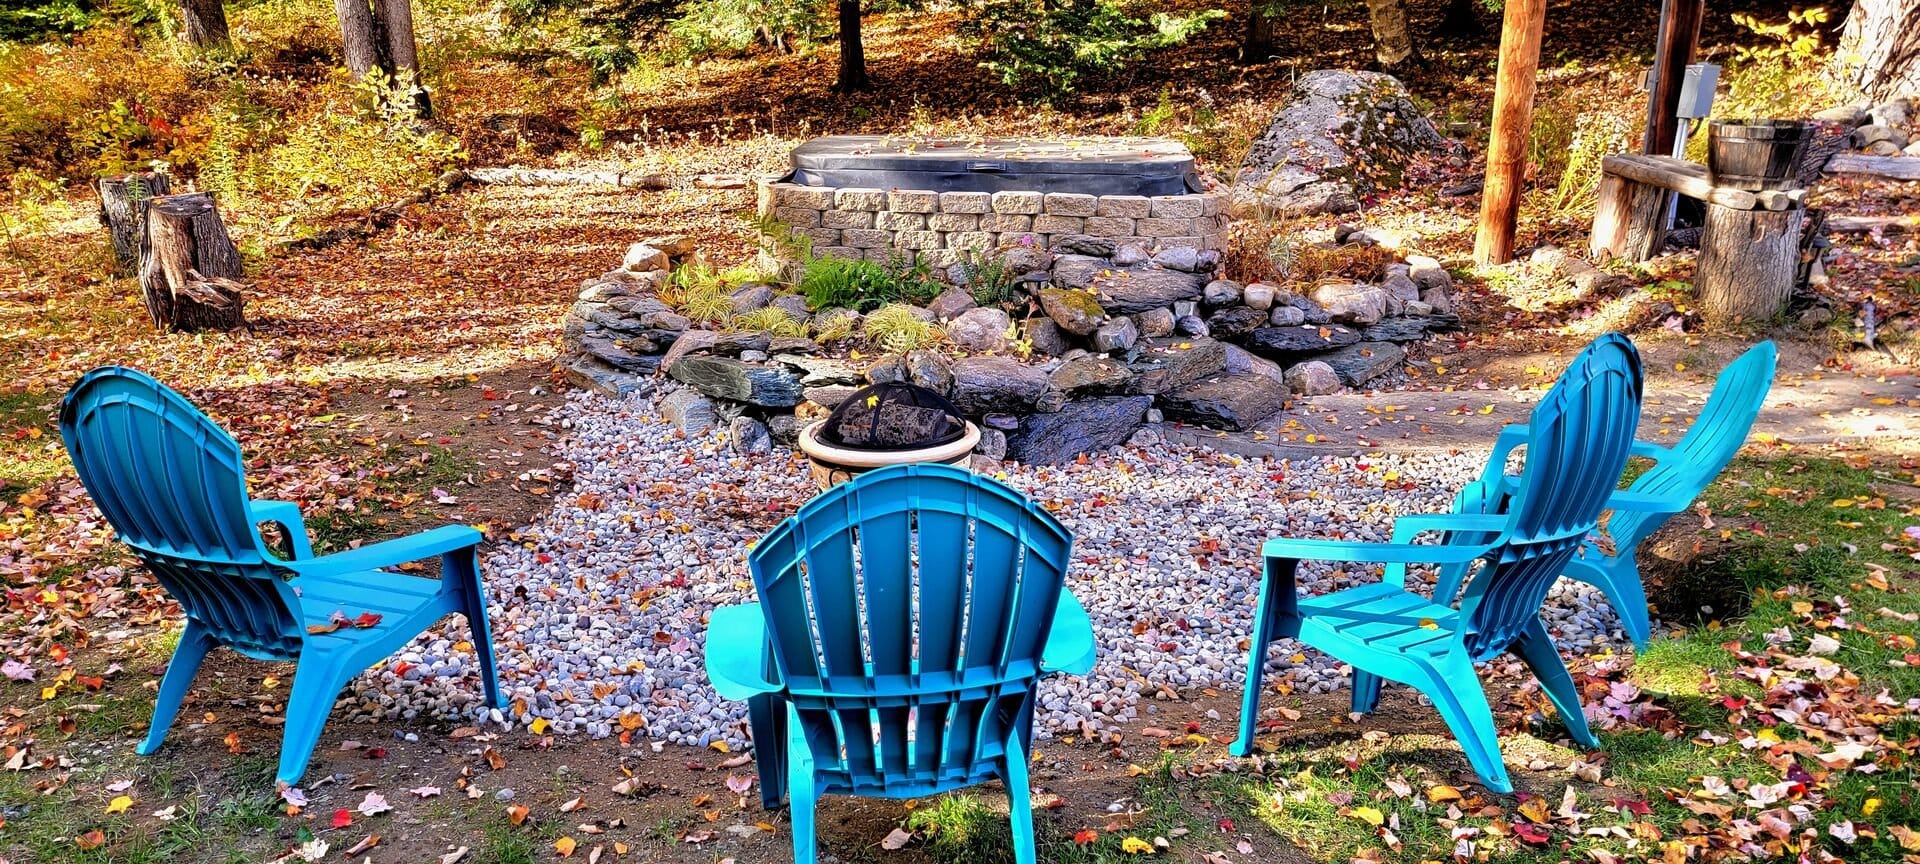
[1094, 166]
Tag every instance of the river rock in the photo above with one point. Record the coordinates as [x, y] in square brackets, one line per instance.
[1313, 378]
[951, 304]
[1124, 292]
[1046, 337]
[980, 329]
[1180, 258]
[1077, 271]
[1358, 364]
[1352, 303]
[1116, 334]
[1154, 322]
[1191, 325]
[1131, 254]
[1259, 295]
[1287, 344]
[728, 378]
[1221, 292]
[1077, 312]
[642, 257]
[930, 369]
[1428, 274]
[1287, 316]
[1233, 402]
[1337, 121]
[1083, 426]
[992, 385]
[751, 298]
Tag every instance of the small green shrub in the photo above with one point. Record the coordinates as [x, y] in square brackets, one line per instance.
[771, 320]
[835, 325]
[864, 285]
[710, 27]
[989, 280]
[898, 328]
[707, 302]
[1049, 45]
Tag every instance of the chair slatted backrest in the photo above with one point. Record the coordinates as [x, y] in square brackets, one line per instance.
[1716, 435]
[172, 484]
[1579, 438]
[908, 608]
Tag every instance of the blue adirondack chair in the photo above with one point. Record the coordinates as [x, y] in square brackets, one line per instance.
[172, 484]
[905, 617]
[1580, 435]
[1679, 474]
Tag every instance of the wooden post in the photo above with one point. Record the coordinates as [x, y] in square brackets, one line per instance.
[189, 268]
[1748, 260]
[123, 203]
[1512, 124]
[1673, 50]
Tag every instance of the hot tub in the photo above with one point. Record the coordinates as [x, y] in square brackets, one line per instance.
[941, 201]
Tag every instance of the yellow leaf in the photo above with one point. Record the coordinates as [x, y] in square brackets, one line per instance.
[1429, 624]
[1768, 735]
[1135, 770]
[1487, 410]
[1135, 846]
[539, 726]
[1867, 808]
[1443, 793]
[517, 814]
[721, 746]
[1536, 811]
[1370, 816]
[619, 848]
[564, 846]
[120, 804]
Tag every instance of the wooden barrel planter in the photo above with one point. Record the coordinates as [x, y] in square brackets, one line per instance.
[1756, 155]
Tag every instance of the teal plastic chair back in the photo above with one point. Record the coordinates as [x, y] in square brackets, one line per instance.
[1581, 434]
[1678, 475]
[173, 485]
[907, 615]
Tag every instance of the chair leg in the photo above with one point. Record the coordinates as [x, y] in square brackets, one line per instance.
[464, 565]
[766, 719]
[1619, 579]
[316, 683]
[1266, 628]
[1537, 649]
[1019, 800]
[1366, 691]
[800, 788]
[1456, 692]
[194, 643]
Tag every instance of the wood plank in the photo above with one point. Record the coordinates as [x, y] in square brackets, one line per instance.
[1690, 179]
[1887, 167]
[1864, 224]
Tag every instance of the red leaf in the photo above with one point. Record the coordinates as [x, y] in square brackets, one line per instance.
[342, 818]
[366, 620]
[1086, 835]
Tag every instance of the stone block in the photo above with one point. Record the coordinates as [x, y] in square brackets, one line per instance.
[846, 219]
[940, 259]
[1179, 206]
[821, 236]
[979, 240]
[913, 201]
[953, 222]
[1051, 224]
[1169, 242]
[1070, 204]
[1018, 203]
[1108, 226]
[870, 200]
[966, 202]
[882, 256]
[866, 238]
[1125, 206]
[1214, 205]
[1001, 222]
[796, 195]
[898, 221]
[917, 239]
[847, 252]
[1021, 238]
[798, 217]
[1164, 227]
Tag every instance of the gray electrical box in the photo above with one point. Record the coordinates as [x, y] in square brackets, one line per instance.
[1696, 90]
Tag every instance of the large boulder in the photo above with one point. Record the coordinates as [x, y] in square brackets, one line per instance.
[1169, 364]
[1079, 427]
[1310, 157]
[1124, 292]
[1077, 312]
[1077, 271]
[980, 329]
[1235, 402]
[996, 385]
[728, 378]
[1353, 303]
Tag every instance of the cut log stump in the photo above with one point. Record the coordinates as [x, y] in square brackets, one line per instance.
[123, 202]
[189, 268]
[1748, 263]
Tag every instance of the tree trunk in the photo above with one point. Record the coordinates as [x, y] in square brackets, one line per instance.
[1880, 48]
[123, 205]
[1748, 259]
[1462, 19]
[205, 24]
[1512, 127]
[189, 268]
[1392, 44]
[853, 54]
[360, 37]
[1257, 45]
[1674, 45]
[395, 19]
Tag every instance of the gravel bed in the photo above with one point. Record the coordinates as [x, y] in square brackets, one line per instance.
[597, 607]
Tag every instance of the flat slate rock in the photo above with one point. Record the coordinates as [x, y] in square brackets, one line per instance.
[1125, 292]
[727, 378]
[1358, 364]
[1092, 375]
[613, 354]
[1232, 402]
[1084, 426]
[996, 385]
[1292, 343]
[1171, 363]
[1235, 322]
[590, 373]
[1407, 329]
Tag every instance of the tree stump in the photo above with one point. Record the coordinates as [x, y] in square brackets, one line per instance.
[123, 202]
[189, 267]
[1748, 260]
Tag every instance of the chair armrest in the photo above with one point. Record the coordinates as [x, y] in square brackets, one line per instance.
[1383, 553]
[1406, 528]
[285, 514]
[1650, 450]
[1510, 436]
[737, 652]
[1641, 502]
[427, 544]
[1070, 647]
